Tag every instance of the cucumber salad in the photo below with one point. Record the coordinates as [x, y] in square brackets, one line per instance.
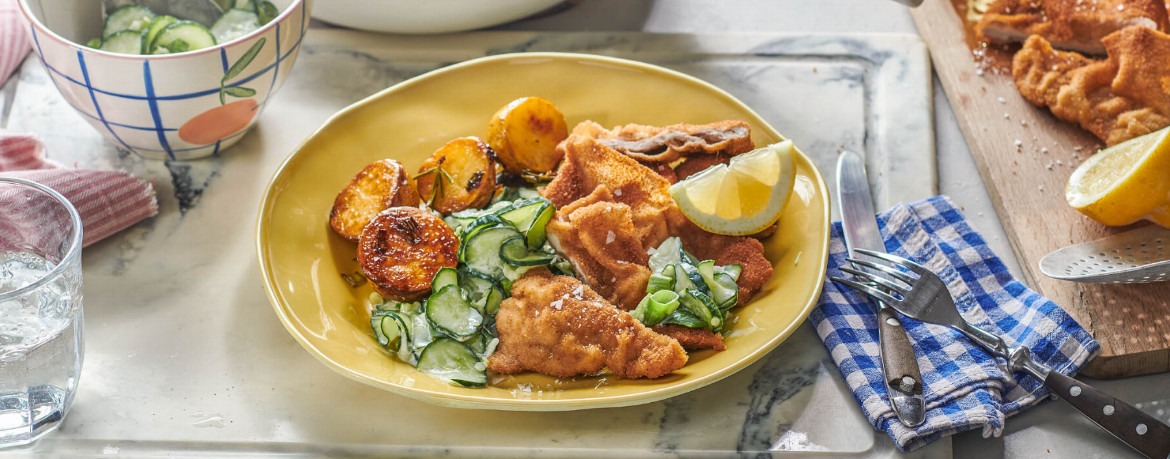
[134, 29]
[450, 334]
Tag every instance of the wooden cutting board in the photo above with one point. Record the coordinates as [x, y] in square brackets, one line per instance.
[1025, 156]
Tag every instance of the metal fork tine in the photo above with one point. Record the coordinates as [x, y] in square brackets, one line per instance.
[885, 269]
[904, 262]
[876, 279]
[870, 291]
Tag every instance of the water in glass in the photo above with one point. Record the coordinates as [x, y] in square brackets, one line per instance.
[40, 346]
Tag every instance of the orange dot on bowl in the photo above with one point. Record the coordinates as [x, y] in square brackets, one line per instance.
[218, 123]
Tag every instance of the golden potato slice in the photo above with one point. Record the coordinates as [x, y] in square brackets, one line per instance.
[401, 250]
[460, 175]
[525, 134]
[380, 185]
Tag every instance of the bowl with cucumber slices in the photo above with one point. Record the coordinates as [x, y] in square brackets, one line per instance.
[168, 79]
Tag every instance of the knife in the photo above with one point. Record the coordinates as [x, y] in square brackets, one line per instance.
[899, 364]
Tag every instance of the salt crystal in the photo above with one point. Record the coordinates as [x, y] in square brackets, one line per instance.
[1007, 116]
[1049, 165]
[1040, 187]
[578, 291]
[609, 237]
[1120, 7]
[1023, 122]
[557, 304]
[1059, 162]
[617, 192]
[979, 72]
[1002, 100]
[1044, 150]
[1077, 148]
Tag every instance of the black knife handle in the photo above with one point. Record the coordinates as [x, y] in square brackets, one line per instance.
[1133, 426]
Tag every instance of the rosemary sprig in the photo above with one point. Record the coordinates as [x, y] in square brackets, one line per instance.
[438, 188]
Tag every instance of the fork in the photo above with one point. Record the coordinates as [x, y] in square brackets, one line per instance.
[925, 297]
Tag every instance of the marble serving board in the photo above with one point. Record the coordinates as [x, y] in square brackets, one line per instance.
[184, 354]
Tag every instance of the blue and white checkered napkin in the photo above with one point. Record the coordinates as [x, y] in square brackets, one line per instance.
[964, 388]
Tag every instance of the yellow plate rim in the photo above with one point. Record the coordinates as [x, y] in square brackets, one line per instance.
[479, 402]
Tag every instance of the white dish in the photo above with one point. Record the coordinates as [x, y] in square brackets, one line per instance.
[425, 16]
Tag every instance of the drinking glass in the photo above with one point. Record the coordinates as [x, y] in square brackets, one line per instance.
[41, 342]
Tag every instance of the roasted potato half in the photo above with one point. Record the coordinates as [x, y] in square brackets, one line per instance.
[525, 134]
[380, 185]
[460, 175]
[401, 250]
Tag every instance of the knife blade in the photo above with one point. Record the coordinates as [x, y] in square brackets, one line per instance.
[902, 379]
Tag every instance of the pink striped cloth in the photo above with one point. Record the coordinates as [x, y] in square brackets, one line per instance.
[14, 42]
[108, 200]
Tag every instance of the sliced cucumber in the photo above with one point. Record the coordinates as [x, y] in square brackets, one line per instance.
[481, 252]
[446, 276]
[266, 12]
[483, 291]
[234, 24]
[393, 333]
[156, 27]
[129, 17]
[515, 252]
[667, 253]
[451, 314]
[95, 43]
[244, 5]
[124, 42]
[530, 217]
[454, 362]
[183, 36]
[702, 307]
[730, 270]
[722, 286]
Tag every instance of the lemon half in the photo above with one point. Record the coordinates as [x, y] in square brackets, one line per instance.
[743, 197]
[1126, 182]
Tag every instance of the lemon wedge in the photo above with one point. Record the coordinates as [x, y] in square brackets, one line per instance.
[1126, 182]
[743, 197]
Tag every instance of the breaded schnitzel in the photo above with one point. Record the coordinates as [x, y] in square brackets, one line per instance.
[557, 326]
[1119, 98]
[692, 339]
[653, 215]
[612, 259]
[666, 144]
[1075, 25]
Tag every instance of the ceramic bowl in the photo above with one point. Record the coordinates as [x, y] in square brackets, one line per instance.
[302, 259]
[172, 106]
[432, 16]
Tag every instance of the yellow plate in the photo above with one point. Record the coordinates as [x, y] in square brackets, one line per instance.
[301, 259]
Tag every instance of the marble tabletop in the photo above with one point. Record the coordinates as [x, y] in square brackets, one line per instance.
[251, 400]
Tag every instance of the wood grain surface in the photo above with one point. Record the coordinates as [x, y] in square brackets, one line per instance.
[1025, 156]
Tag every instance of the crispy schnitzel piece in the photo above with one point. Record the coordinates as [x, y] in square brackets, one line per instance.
[588, 165]
[1142, 58]
[666, 144]
[692, 339]
[598, 236]
[557, 326]
[1075, 25]
[696, 164]
[1116, 99]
